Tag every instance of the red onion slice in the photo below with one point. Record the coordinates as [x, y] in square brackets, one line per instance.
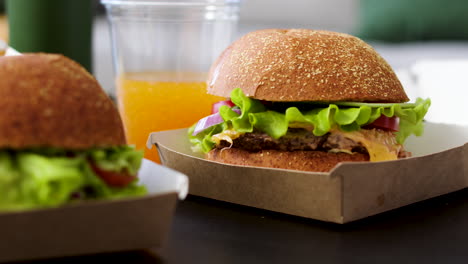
[207, 122]
[215, 107]
[210, 121]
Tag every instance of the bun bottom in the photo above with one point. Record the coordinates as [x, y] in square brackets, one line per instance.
[318, 161]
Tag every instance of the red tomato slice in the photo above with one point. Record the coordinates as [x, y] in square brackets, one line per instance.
[112, 178]
[386, 123]
[217, 105]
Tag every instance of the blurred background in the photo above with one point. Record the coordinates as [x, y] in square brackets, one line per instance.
[426, 41]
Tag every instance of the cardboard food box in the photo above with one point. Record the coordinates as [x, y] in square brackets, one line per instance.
[96, 226]
[349, 192]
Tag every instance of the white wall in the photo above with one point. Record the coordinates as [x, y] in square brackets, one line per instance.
[337, 15]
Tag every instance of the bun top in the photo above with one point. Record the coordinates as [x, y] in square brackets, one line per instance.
[304, 65]
[51, 101]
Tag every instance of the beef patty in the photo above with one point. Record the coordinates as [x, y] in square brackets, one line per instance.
[296, 139]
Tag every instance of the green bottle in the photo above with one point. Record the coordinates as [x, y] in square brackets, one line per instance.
[52, 26]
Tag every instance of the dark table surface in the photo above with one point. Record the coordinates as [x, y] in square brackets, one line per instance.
[209, 231]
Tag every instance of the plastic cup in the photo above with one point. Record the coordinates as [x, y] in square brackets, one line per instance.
[162, 51]
[3, 48]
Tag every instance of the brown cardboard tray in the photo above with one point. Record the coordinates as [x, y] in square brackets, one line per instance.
[99, 226]
[349, 192]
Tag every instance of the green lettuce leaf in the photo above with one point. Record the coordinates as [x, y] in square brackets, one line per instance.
[202, 141]
[346, 116]
[48, 178]
[242, 122]
[117, 159]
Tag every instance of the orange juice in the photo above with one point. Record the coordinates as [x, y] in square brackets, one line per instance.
[3, 28]
[155, 101]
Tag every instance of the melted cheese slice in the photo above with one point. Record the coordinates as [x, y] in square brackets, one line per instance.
[227, 135]
[380, 145]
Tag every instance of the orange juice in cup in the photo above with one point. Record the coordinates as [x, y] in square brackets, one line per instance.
[3, 47]
[162, 51]
[155, 101]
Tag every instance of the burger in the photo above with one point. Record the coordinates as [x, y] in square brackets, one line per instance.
[305, 100]
[61, 137]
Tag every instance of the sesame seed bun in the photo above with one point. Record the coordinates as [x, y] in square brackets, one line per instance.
[318, 161]
[304, 65]
[51, 101]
